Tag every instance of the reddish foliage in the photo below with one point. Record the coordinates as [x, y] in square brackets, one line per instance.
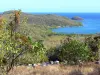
[17, 17]
[24, 39]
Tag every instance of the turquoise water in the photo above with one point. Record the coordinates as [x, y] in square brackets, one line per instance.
[91, 24]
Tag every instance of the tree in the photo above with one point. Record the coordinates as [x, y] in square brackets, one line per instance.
[14, 45]
[10, 47]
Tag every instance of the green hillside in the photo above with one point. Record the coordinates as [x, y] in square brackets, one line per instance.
[45, 19]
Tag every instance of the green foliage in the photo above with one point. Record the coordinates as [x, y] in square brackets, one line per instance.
[10, 50]
[94, 45]
[36, 55]
[73, 51]
[10, 47]
[39, 51]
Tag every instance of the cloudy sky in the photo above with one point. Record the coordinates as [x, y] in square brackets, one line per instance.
[51, 5]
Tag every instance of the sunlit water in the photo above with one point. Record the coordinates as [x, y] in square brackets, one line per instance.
[91, 24]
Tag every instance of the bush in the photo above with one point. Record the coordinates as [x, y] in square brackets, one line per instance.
[73, 51]
[94, 45]
[37, 54]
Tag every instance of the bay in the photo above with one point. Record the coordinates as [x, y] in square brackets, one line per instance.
[91, 24]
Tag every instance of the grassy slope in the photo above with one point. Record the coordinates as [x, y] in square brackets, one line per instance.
[35, 31]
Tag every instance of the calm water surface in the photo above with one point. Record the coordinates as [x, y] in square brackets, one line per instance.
[91, 24]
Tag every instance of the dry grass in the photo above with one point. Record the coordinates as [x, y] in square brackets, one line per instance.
[57, 70]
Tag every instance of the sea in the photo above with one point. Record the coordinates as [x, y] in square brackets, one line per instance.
[91, 24]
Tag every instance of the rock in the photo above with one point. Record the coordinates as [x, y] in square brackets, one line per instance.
[77, 18]
[29, 65]
[51, 62]
[44, 64]
[97, 62]
[39, 64]
[34, 65]
[56, 62]
[47, 63]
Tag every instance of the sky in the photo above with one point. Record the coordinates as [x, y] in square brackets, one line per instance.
[51, 5]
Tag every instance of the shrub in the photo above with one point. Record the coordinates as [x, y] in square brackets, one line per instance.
[10, 47]
[94, 45]
[73, 51]
[36, 54]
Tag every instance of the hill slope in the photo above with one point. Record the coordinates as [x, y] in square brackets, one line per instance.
[38, 26]
[46, 19]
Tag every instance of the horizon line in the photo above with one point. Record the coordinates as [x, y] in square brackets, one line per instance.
[52, 11]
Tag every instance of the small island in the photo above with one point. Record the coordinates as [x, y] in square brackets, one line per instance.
[76, 18]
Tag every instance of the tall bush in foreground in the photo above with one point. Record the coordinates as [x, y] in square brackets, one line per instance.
[10, 47]
[73, 51]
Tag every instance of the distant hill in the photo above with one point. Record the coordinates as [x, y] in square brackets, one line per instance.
[45, 19]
